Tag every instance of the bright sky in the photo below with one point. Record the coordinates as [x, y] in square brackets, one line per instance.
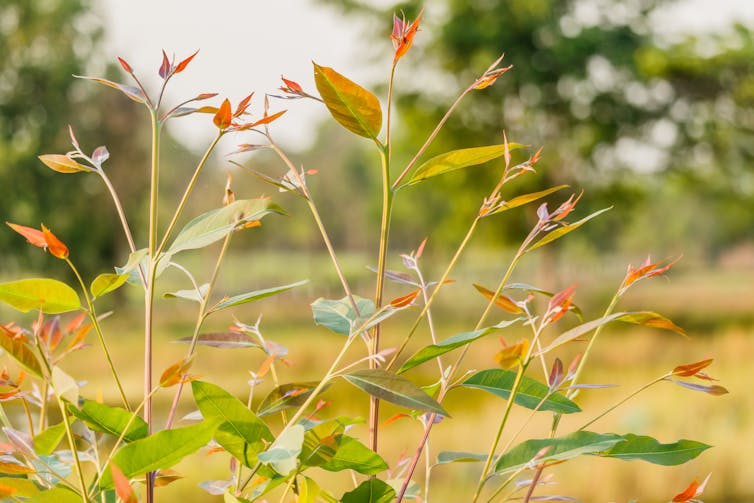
[245, 45]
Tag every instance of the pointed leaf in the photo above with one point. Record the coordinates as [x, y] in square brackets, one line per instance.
[165, 66]
[47, 295]
[160, 450]
[526, 198]
[106, 283]
[46, 441]
[19, 349]
[446, 457]
[223, 117]
[562, 231]
[183, 64]
[355, 108]
[255, 295]
[458, 159]
[131, 91]
[501, 301]
[110, 420]
[394, 389]
[214, 225]
[122, 486]
[223, 340]
[650, 450]
[370, 491]
[55, 246]
[33, 236]
[62, 163]
[190, 294]
[286, 396]
[353, 455]
[339, 316]
[651, 319]
[530, 392]
[560, 449]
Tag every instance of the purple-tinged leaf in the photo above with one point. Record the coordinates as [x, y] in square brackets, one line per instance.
[100, 155]
[165, 67]
[712, 390]
[132, 92]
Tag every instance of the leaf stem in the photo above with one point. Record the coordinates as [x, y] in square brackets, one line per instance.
[624, 400]
[74, 452]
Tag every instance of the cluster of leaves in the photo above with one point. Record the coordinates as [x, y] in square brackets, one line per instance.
[274, 444]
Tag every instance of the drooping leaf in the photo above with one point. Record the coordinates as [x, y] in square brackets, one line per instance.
[19, 349]
[530, 392]
[370, 491]
[161, 450]
[353, 455]
[63, 163]
[242, 433]
[339, 316]
[501, 301]
[526, 198]
[562, 231]
[714, 389]
[223, 340]
[286, 396]
[284, 451]
[651, 319]
[650, 450]
[355, 108]
[48, 295]
[214, 225]
[253, 296]
[560, 449]
[394, 389]
[46, 441]
[132, 92]
[445, 457]
[451, 343]
[458, 159]
[106, 283]
[110, 420]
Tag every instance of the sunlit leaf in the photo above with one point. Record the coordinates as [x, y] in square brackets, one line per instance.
[64, 385]
[651, 319]
[512, 356]
[23, 487]
[46, 441]
[19, 349]
[33, 236]
[562, 231]
[339, 316]
[526, 198]
[223, 340]
[403, 35]
[253, 296]
[122, 486]
[284, 451]
[286, 396]
[394, 389]
[183, 64]
[56, 495]
[131, 91]
[501, 301]
[106, 283]
[531, 393]
[62, 163]
[353, 455]
[355, 108]
[370, 491]
[714, 389]
[458, 159]
[110, 420]
[691, 369]
[223, 117]
[161, 450]
[8, 467]
[560, 449]
[176, 373]
[650, 450]
[55, 246]
[48, 295]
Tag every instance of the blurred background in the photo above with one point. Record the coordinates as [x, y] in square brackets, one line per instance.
[645, 105]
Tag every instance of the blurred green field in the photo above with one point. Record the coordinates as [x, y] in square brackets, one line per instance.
[713, 304]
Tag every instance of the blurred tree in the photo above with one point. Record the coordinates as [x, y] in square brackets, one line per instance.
[43, 44]
[610, 97]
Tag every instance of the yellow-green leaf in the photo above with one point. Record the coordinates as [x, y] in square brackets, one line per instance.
[458, 159]
[48, 295]
[526, 198]
[106, 283]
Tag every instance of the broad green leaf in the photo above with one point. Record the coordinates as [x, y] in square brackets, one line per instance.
[530, 393]
[562, 231]
[23, 487]
[62, 163]
[242, 434]
[110, 420]
[191, 294]
[394, 389]
[286, 396]
[214, 225]
[284, 451]
[650, 450]
[370, 491]
[355, 108]
[160, 450]
[449, 344]
[446, 457]
[526, 199]
[353, 455]
[48, 295]
[255, 295]
[339, 316]
[56, 495]
[106, 283]
[458, 159]
[64, 385]
[560, 449]
[223, 340]
[46, 441]
[19, 349]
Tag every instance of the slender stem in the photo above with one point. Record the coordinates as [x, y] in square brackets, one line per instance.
[415, 459]
[389, 124]
[42, 406]
[98, 329]
[532, 486]
[624, 400]
[29, 419]
[74, 452]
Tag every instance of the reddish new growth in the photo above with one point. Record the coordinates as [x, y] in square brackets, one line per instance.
[403, 35]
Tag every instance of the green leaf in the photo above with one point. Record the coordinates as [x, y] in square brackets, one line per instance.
[19, 349]
[214, 225]
[286, 396]
[526, 198]
[160, 450]
[190, 294]
[650, 450]
[23, 487]
[46, 441]
[449, 344]
[283, 453]
[111, 420]
[458, 159]
[370, 491]
[560, 449]
[339, 316]
[55, 495]
[530, 393]
[446, 457]
[242, 434]
[353, 455]
[255, 295]
[355, 108]
[308, 491]
[394, 389]
[106, 283]
[562, 231]
[48, 295]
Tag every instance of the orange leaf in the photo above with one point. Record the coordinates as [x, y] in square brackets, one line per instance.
[175, 373]
[687, 493]
[403, 35]
[393, 419]
[266, 364]
[292, 87]
[33, 236]
[7, 491]
[223, 116]
[242, 106]
[405, 300]
[122, 487]
[165, 477]
[54, 245]
[512, 356]
[490, 77]
[501, 301]
[691, 369]
[183, 64]
[62, 163]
